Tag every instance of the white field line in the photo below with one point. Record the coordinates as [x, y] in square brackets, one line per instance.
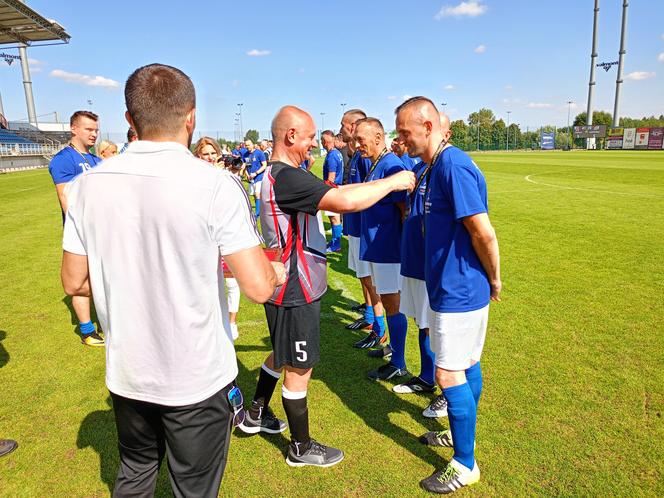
[528, 178]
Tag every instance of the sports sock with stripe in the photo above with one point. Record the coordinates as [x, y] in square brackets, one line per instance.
[369, 314]
[426, 358]
[87, 328]
[398, 326]
[336, 233]
[379, 325]
[462, 414]
[297, 413]
[474, 378]
[267, 381]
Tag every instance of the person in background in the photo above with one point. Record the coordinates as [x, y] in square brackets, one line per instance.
[132, 136]
[333, 170]
[208, 150]
[106, 149]
[64, 167]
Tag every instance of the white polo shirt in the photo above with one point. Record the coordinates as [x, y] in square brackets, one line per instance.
[152, 223]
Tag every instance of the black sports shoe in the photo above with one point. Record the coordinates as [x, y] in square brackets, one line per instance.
[358, 324]
[7, 446]
[437, 408]
[317, 454]
[359, 308]
[437, 438]
[384, 352]
[387, 372]
[267, 422]
[414, 385]
[371, 341]
[451, 478]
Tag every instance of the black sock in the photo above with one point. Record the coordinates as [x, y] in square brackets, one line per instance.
[264, 390]
[295, 406]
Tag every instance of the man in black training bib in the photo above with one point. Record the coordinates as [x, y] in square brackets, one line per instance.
[291, 199]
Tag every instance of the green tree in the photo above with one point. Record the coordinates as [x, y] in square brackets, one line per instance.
[252, 135]
[459, 134]
[599, 118]
[498, 135]
[484, 118]
[515, 136]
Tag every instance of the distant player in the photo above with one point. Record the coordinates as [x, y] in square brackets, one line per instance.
[462, 273]
[333, 170]
[399, 149]
[64, 167]
[256, 162]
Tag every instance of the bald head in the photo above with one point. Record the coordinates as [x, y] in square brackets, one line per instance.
[294, 133]
[421, 127]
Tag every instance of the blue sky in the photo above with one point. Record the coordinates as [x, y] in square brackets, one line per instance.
[525, 56]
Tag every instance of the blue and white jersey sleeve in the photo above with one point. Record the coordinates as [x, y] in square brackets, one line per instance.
[465, 187]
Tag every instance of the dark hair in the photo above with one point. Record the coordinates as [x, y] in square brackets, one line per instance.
[328, 133]
[371, 121]
[131, 133]
[82, 114]
[414, 100]
[234, 163]
[158, 97]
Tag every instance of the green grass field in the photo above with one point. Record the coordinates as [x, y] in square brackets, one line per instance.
[574, 360]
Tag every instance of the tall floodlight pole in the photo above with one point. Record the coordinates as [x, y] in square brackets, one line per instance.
[569, 130]
[478, 132]
[507, 147]
[590, 142]
[27, 83]
[343, 108]
[619, 80]
[239, 106]
[322, 129]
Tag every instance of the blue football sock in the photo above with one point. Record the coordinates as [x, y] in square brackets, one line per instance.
[369, 314]
[398, 325]
[379, 325]
[258, 207]
[462, 414]
[474, 378]
[87, 327]
[426, 358]
[336, 233]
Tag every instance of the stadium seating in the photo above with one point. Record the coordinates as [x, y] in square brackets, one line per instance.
[7, 137]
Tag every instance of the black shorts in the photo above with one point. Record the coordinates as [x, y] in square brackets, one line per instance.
[295, 334]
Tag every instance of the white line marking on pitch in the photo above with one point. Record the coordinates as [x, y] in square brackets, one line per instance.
[528, 178]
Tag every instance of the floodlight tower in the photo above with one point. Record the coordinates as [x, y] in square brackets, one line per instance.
[590, 142]
[240, 114]
[507, 146]
[619, 80]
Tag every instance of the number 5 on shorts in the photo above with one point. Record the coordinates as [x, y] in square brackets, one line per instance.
[301, 353]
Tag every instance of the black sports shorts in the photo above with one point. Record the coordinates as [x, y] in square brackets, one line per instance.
[295, 334]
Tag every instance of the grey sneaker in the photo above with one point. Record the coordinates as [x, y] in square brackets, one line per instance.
[267, 422]
[317, 454]
[437, 408]
[451, 478]
[437, 438]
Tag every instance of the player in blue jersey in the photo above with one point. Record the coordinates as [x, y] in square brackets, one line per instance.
[333, 172]
[462, 273]
[256, 164]
[64, 167]
[372, 314]
[380, 244]
[399, 149]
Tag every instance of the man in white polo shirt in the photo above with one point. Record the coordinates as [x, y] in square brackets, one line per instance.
[143, 234]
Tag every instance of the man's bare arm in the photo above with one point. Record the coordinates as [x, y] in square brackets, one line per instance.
[255, 274]
[485, 244]
[60, 189]
[75, 274]
[356, 197]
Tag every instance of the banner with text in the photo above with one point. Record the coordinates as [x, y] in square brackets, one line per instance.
[629, 138]
[615, 140]
[548, 140]
[642, 138]
[655, 138]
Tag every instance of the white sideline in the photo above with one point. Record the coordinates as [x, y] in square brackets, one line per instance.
[528, 178]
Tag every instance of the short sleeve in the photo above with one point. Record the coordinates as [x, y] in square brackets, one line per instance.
[401, 195]
[461, 185]
[62, 169]
[261, 156]
[232, 224]
[298, 190]
[71, 239]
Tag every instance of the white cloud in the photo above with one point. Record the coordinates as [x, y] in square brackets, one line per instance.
[660, 57]
[508, 88]
[511, 101]
[84, 79]
[449, 87]
[406, 97]
[391, 97]
[640, 75]
[35, 65]
[254, 52]
[464, 9]
[539, 105]
[480, 49]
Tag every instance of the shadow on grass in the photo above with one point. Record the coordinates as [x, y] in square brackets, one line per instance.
[4, 354]
[344, 370]
[98, 432]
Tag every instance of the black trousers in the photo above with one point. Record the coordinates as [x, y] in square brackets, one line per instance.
[195, 439]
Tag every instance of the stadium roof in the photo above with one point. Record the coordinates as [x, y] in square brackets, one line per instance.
[20, 24]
